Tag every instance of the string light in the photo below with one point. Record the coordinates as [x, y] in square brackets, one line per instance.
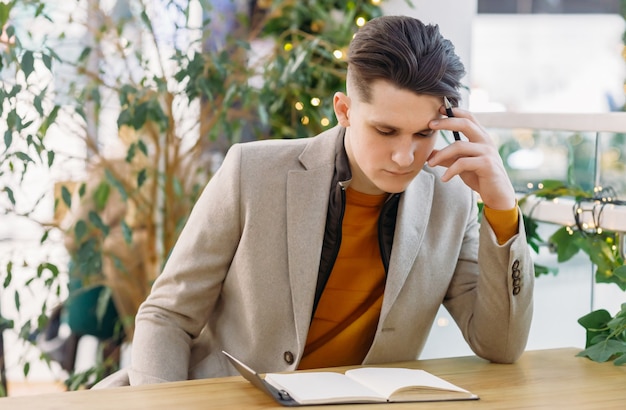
[338, 54]
[305, 120]
[299, 106]
[360, 21]
[288, 46]
[315, 101]
[325, 121]
[377, 2]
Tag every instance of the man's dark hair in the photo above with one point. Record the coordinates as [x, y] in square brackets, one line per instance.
[407, 53]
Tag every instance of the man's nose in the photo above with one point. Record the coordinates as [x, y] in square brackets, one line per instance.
[403, 151]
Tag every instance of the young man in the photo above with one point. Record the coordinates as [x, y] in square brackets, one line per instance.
[339, 249]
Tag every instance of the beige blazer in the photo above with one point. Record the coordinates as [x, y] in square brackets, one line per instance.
[242, 276]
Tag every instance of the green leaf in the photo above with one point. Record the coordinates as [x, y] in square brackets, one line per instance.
[620, 272]
[130, 154]
[566, 244]
[80, 229]
[544, 270]
[47, 266]
[10, 195]
[140, 117]
[84, 54]
[8, 139]
[116, 184]
[37, 105]
[51, 155]
[9, 276]
[604, 351]
[127, 232]
[596, 324]
[66, 196]
[101, 195]
[47, 61]
[597, 319]
[146, 19]
[142, 147]
[178, 187]
[102, 304]
[16, 300]
[95, 219]
[23, 157]
[5, 10]
[49, 120]
[125, 118]
[28, 63]
[6, 324]
[141, 177]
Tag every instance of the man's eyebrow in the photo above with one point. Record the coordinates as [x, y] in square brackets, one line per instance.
[391, 127]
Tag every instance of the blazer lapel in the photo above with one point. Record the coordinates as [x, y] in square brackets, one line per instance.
[413, 215]
[307, 205]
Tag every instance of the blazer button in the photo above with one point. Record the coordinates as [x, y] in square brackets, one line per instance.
[516, 282]
[516, 274]
[516, 290]
[515, 264]
[288, 356]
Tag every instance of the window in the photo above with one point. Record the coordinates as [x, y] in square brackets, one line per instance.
[548, 6]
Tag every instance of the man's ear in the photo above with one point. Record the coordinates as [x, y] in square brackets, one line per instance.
[341, 104]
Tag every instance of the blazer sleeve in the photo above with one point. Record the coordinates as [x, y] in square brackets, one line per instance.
[184, 295]
[491, 298]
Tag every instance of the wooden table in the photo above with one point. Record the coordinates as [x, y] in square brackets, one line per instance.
[542, 379]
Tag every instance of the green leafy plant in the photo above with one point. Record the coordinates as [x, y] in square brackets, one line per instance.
[141, 80]
[606, 335]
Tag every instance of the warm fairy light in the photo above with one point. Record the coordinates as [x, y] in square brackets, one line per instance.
[338, 54]
[599, 231]
[325, 121]
[288, 46]
[304, 120]
[315, 101]
[529, 185]
[360, 21]
[569, 230]
[540, 185]
[376, 2]
[299, 106]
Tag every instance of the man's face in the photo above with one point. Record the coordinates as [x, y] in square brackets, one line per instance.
[387, 139]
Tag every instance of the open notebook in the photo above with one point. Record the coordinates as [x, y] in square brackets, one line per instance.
[359, 385]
